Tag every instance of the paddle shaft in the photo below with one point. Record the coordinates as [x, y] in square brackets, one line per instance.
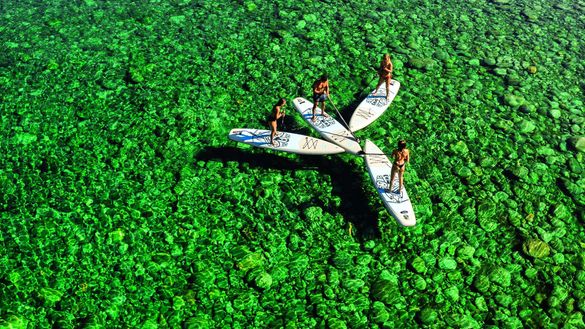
[342, 119]
[282, 121]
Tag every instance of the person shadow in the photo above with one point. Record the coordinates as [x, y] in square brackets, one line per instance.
[347, 182]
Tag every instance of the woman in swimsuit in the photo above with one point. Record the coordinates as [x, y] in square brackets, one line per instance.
[276, 114]
[385, 73]
[401, 156]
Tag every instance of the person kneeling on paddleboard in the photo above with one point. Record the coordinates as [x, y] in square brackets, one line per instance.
[320, 94]
[277, 113]
[401, 156]
[385, 73]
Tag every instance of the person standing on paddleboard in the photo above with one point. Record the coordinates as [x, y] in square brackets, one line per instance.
[401, 156]
[385, 74]
[277, 113]
[320, 94]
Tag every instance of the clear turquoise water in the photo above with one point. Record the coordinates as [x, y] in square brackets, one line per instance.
[124, 204]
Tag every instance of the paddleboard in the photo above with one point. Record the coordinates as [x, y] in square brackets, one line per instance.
[373, 106]
[380, 168]
[284, 141]
[328, 127]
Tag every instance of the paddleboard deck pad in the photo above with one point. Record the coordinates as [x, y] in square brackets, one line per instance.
[396, 202]
[373, 106]
[284, 141]
[327, 126]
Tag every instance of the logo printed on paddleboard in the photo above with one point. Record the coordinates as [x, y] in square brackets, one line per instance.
[310, 144]
[378, 101]
[324, 122]
[364, 114]
[280, 140]
[383, 183]
[378, 159]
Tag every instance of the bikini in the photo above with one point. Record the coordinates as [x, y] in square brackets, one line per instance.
[272, 116]
[403, 163]
[383, 72]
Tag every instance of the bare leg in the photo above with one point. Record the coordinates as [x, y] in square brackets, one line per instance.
[272, 125]
[380, 81]
[388, 87]
[323, 109]
[400, 181]
[314, 107]
[392, 175]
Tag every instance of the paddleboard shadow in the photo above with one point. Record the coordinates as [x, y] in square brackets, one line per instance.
[346, 183]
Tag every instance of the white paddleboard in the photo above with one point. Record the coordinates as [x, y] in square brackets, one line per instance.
[284, 141]
[373, 106]
[328, 127]
[380, 168]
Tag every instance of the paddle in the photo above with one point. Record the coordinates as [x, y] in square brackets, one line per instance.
[342, 119]
[282, 121]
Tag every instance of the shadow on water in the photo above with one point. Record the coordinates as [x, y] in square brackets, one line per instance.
[347, 181]
[365, 88]
[287, 124]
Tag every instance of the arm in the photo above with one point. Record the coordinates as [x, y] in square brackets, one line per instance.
[316, 87]
[279, 113]
[393, 156]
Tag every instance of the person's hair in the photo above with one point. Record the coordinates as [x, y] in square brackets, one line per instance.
[386, 58]
[324, 78]
[401, 145]
[280, 102]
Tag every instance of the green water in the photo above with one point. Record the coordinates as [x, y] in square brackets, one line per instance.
[124, 205]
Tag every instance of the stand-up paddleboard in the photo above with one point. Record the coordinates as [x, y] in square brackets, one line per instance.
[328, 127]
[284, 141]
[380, 168]
[373, 106]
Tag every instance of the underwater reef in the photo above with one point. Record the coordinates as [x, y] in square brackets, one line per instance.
[124, 205]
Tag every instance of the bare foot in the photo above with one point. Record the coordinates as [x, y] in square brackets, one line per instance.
[313, 118]
[325, 114]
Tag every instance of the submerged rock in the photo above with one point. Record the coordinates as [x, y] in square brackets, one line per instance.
[447, 263]
[554, 113]
[460, 148]
[428, 316]
[526, 126]
[536, 248]
[500, 71]
[421, 63]
[418, 264]
[263, 280]
[420, 283]
[465, 252]
[501, 277]
[514, 100]
[250, 261]
[386, 291]
[379, 312]
[481, 283]
[452, 293]
[343, 260]
[578, 143]
[489, 61]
